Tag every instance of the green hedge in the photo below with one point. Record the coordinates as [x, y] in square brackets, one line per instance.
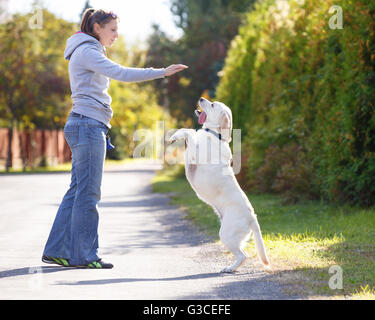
[304, 96]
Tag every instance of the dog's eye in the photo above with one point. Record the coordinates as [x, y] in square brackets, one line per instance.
[212, 105]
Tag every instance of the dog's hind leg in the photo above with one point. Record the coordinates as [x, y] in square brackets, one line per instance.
[233, 241]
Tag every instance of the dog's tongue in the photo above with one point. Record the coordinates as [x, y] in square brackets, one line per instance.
[202, 118]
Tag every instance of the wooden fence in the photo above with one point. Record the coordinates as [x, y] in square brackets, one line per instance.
[36, 147]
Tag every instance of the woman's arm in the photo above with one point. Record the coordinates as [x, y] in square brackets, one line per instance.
[96, 61]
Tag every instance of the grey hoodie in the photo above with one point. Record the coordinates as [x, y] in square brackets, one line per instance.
[90, 72]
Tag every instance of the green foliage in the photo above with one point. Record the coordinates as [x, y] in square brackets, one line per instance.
[286, 170]
[34, 85]
[291, 80]
[208, 27]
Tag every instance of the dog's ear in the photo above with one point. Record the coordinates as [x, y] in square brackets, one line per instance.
[226, 126]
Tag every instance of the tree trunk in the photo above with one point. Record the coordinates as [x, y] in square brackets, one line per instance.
[22, 149]
[9, 156]
[9, 163]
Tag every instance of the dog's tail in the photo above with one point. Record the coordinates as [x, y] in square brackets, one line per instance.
[259, 244]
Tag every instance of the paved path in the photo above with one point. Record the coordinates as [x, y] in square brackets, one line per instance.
[156, 252]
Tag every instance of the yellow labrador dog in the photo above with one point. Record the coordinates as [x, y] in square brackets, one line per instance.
[209, 172]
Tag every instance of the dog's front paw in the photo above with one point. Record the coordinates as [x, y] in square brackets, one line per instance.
[178, 135]
[172, 139]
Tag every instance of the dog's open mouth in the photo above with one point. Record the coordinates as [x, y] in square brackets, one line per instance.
[202, 116]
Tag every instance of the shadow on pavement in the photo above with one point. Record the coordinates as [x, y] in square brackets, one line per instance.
[124, 280]
[31, 270]
[250, 289]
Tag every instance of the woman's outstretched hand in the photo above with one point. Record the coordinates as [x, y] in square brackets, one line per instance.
[174, 68]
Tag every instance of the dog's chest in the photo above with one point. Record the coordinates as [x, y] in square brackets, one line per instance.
[207, 149]
[204, 179]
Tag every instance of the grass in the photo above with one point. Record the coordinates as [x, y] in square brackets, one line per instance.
[303, 240]
[58, 168]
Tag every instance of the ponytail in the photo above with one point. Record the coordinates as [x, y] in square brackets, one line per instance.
[86, 25]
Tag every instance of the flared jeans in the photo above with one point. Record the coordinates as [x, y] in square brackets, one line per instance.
[74, 234]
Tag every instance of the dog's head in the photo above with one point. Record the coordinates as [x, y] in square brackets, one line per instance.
[215, 115]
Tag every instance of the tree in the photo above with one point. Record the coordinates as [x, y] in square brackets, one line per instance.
[305, 94]
[34, 84]
[208, 27]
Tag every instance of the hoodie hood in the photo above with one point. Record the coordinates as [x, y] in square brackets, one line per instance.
[78, 39]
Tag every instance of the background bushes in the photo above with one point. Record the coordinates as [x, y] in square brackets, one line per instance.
[304, 96]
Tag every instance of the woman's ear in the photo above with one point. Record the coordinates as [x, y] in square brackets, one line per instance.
[226, 126]
[96, 29]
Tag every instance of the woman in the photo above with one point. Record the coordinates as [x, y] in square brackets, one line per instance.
[73, 240]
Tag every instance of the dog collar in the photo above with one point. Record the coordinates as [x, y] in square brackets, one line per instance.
[217, 135]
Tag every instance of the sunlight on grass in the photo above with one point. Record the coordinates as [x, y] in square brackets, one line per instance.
[298, 251]
[365, 293]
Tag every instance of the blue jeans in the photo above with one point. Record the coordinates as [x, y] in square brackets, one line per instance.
[74, 234]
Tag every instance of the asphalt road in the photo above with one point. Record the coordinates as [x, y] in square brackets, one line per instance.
[156, 252]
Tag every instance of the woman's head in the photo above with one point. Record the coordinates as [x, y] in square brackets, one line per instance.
[100, 24]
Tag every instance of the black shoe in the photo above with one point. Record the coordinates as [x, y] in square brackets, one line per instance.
[60, 261]
[100, 264]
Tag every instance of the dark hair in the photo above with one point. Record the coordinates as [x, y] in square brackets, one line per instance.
[92, 16]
